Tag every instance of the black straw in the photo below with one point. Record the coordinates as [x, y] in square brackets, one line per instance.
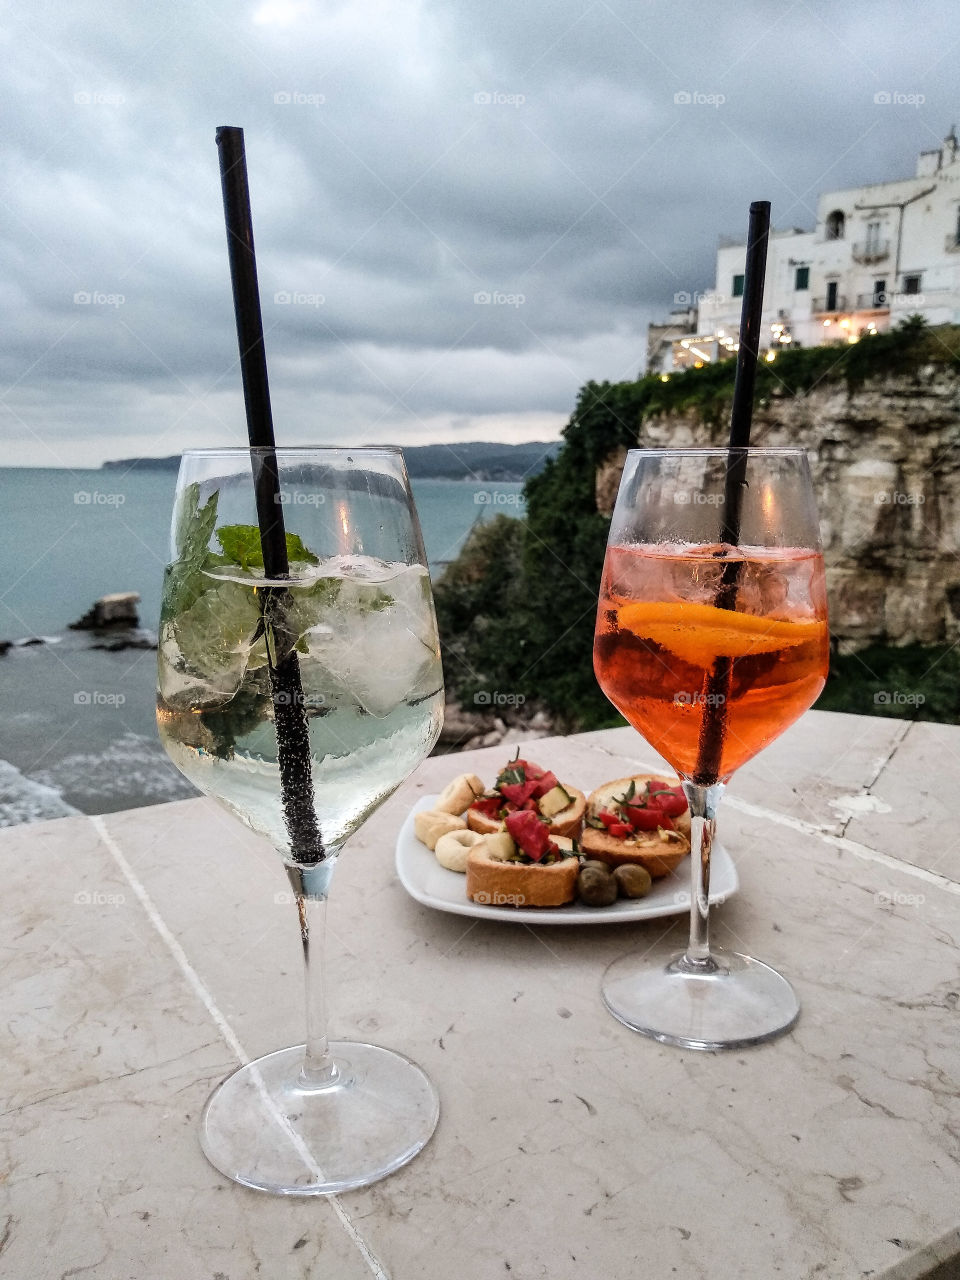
[717, 686]
[290, 718]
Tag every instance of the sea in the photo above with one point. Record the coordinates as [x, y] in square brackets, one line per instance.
[77, 732]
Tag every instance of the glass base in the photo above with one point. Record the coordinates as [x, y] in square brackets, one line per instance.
[737, 1002]
[265, 1128]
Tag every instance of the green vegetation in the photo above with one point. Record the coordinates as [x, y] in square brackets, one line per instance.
[517, 608]
[915, 682]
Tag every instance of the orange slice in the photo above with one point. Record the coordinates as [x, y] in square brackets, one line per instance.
[698, 633]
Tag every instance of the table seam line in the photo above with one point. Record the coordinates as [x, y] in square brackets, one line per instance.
[223, 1026]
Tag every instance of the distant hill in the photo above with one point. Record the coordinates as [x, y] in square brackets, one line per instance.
[472, 461]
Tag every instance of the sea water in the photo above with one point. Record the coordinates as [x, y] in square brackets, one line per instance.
[77, 724]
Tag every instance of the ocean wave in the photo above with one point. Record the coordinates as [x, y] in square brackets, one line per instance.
[24, 799]
[130, 771]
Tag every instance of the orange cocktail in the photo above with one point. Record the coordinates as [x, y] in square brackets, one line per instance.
[667, 657]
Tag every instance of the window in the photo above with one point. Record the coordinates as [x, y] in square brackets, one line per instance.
[873, 235]
[737, 286]
[879, 293]
[835, 225]
[911, 284]
[831, 303]
[802, 279]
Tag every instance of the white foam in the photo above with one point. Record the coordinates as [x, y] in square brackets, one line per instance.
[23, 799]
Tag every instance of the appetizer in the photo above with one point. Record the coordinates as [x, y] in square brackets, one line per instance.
[643, 820]
[523, 865]
[523, 787]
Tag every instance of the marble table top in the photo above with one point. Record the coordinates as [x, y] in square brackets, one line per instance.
[145, 952]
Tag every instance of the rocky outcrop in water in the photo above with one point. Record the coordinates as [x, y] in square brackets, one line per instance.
[886, 465]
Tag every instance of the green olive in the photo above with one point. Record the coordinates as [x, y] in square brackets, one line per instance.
[596, 888]
[632, 880]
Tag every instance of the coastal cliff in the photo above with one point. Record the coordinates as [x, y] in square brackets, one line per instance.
[881, 421]
[886, 467]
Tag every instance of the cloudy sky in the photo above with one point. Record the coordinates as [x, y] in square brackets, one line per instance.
[463, 209]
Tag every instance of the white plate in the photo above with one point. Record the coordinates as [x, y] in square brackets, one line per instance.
[424, 879]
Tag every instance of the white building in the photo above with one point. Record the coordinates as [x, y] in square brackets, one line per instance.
[879, 253]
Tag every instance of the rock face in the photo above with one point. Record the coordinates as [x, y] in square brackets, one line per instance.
[886, 467]
[117, 610]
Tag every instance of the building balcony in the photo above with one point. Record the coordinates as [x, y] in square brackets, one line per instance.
[952, 242]
[871, 251]
[820, 306]
[873, 302]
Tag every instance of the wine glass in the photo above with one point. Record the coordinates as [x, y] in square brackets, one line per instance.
[711, 640]
[300, 701]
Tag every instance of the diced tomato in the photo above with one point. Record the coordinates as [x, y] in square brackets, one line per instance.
[545, 784]
[519, 792]
[645, 819]
[531, 835]
[671, 800]
[620, 830]
[489, 806]
[530, 770]
[608, 818]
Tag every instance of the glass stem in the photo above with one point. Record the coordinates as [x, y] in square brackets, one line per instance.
[310, 885]
[703, 802]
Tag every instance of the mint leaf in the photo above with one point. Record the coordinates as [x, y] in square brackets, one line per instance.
[241, 544]
[195, 524]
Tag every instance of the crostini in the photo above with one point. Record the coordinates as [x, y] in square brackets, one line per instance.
[643, 819]
[523, 787]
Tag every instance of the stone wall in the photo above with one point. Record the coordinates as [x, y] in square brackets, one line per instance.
[886, 464]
